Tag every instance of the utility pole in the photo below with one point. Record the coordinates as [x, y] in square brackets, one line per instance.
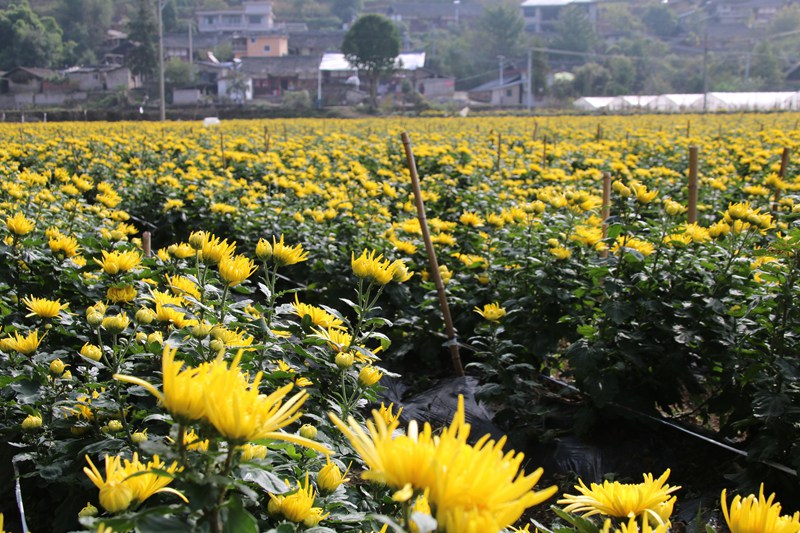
[500, 60]
[705, 69]
[530, 80]
[162, 103]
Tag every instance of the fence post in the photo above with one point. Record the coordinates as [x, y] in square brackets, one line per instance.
[691, 217]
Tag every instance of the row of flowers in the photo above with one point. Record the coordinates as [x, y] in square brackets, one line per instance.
[187, 356]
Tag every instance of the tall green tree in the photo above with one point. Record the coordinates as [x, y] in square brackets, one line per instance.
[660, 19]
[372, 44]
[143, 32]
[766, 65]
[28, 40]
[501, 31]
[346, 10]
[574, 30]
[84, 23]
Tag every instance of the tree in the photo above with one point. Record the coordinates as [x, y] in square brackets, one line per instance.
[178, 73]
[660, 20]
[574, 30]
[501, 29]
[346, 10]
[766, 66]
[28, 40]
[143, 32]
[85, 22]
[372, 44]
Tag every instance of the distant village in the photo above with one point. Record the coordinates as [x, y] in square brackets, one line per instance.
[274, 62]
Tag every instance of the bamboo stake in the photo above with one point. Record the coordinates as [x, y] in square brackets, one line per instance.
[781, 175]
[499, 151]
[536, 130]
[606, 212]
[266, 139]
[146, 246]
[452, 339]
[222, 150]
[544, 151]
[691, 217]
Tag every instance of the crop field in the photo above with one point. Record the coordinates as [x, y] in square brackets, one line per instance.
[201, 326]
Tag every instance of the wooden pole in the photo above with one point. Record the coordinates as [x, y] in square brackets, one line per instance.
[536, 130]
[266, 139]
[606, 212]
[222, 149]
[452, 339]
[691, 217]
[148, 252]
[781, 175]
[544, 151]
[499, 151]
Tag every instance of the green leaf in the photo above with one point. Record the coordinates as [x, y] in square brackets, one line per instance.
[160, 524]
[238, 520]
[266, 480]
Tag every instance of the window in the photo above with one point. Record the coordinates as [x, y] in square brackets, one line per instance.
[529, 12]
[267, 48]
[231, 19]
[210, 20]
[252, 40]
[509, 93]
[254, 19]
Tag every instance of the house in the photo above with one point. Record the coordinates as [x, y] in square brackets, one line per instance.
[500, 92]
[752, 13]
[423, 16]
[541, 15]
[274, 76]
[101, 78]
[260, 45]
[336, 70]
[315, 42]
[25, 86]
[181, 46]
[249, 17]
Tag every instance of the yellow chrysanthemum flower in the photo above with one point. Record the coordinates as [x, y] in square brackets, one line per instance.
[42, 307]
[284, 255]
[181, 285]
[183, 389]
[330, 476]
[491, 312]
[234, 270]
[212, 249]
[319, 317]
[19, 224]
[651, 498]
[131, 483]
[124, 294]
[26, 344]
[117, 262]
[63, 245]
[473, 488]
[753, 514]
[241, 413]
[373, 269]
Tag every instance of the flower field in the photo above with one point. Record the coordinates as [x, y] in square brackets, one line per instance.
[197, 322]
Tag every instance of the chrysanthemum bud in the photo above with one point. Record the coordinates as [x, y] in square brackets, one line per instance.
[344, 359]
[57, 367]
[32, 422]
[114, 426]
[138, 437]
[88, 511]
[145, 316]
[90, 351]
[94, 318]
[216, 345]
[307, 431]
